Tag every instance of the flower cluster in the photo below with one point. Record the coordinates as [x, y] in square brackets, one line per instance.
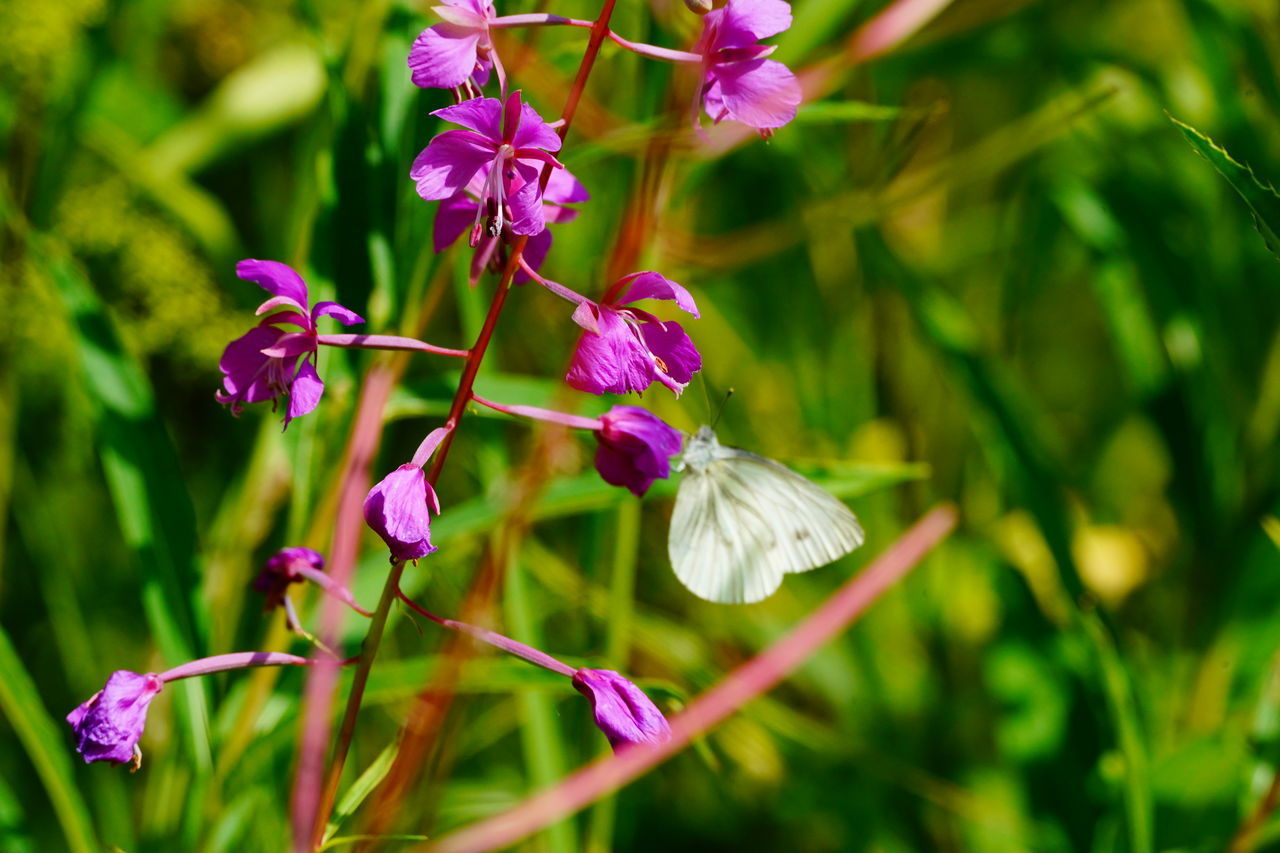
[498, 178]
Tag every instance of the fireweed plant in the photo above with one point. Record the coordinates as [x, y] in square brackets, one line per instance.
[496, 177]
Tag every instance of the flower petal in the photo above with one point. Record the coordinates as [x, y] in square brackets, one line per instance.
[526, 210]
[275, 278]
[748, 21]
[761, 93]
[445, 166]
[396, 508]
[304, 392]
[342, 314]
[651, 285]
[454, 217]
[108, 726]
[444, 56]
[680, 358]
[564, 188]
[483, 115]
[534, 132]
[610, 360]
[622, 711]
[244, 375]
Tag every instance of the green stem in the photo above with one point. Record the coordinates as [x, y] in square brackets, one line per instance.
[368, 651]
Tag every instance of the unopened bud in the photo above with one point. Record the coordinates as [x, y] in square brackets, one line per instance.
[698, 7]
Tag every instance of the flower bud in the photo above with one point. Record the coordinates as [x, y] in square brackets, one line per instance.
[108, 726]
[622, 710]
[698, 7]
[635, 448]
[399, 510]
[282, 569]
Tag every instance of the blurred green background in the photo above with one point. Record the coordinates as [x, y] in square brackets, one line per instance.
[987, 268]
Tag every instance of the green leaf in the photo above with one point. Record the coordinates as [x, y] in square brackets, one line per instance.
[363, 786]
[48, 748]
[1262, 198]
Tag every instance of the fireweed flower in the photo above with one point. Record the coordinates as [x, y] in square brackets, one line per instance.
[622, 711]
[737, 81]
[463, 211]
[295, 565]
[448, 54]
[626, 349]
[513, 141]
[269, 361]
[635, 448]
[108, 726]
[399, 510]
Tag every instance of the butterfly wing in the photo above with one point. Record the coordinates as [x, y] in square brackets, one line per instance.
[743, 522]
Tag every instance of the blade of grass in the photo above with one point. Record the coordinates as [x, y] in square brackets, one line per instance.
[48, 749]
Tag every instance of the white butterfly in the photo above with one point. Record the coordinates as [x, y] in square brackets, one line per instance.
[741, 522]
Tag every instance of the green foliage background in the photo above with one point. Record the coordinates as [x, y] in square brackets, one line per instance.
[987, 269]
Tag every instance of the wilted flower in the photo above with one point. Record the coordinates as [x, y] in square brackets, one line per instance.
[446, 55]
[737, 81]
[622, 711]
[626, 349]
[284, 568]
[269, 361]
[108, 726]
[635, 448]
[399, 510]
[512, 140]
[463, 211]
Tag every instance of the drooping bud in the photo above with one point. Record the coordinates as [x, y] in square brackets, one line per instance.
[622, 711]
[399, 510]
[635, 448]
[108, 726]
[282, 569]
[698, 7]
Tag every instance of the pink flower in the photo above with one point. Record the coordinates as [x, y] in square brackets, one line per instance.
[635, 448]
[511, 140]
[461, 212]
[446, 55]
[269, 361]
[399, 510]
[108, 726]
[737, 81]
[284, 568]
[622, 711]
[626, 349]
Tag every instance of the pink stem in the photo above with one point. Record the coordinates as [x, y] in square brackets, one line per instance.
[740, 686]
[575, 421]
[892, 26]
[654, 52]
[388, 342]
[329, 585]
[234, 660]
[555, 287]
[496, 640]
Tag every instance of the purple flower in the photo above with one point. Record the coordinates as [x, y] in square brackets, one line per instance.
[446, 55]
[626, 349]
[269, 361]
[462, 212]
[737, 81]
[622, 711]
[399, 510]
[107, 727]
[283, 568]
[512, 140]
[635, 448]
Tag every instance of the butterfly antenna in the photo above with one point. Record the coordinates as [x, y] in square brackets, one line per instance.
[720, 411]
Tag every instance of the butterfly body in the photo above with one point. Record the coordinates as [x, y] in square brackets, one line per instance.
[742, 522]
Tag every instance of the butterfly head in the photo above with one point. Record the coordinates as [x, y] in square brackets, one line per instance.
[700, 449]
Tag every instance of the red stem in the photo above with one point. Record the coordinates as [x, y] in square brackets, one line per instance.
[740, 686]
